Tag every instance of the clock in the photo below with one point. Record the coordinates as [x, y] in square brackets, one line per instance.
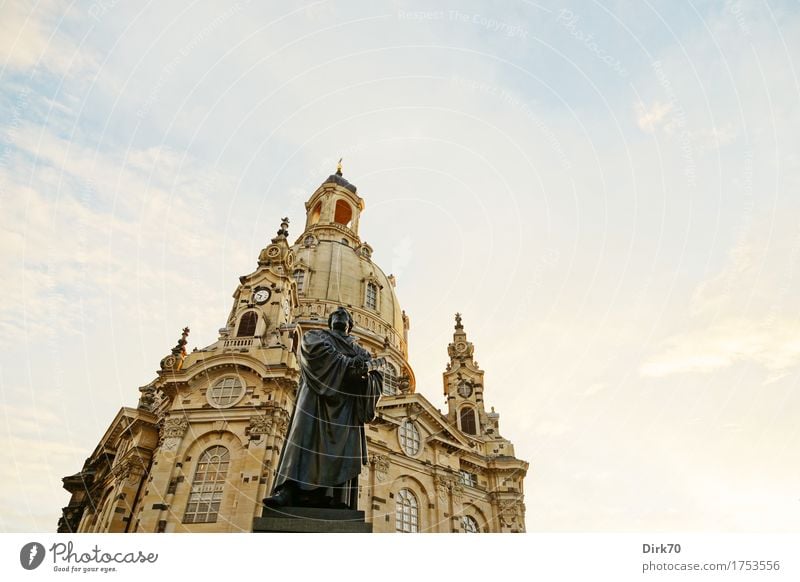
[465, 390]
[461, 346]
[261, 296]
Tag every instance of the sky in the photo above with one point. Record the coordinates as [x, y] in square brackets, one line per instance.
[607, 191]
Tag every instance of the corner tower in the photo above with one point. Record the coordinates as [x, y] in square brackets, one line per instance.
[334, 267]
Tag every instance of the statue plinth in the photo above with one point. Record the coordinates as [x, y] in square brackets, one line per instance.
[310, 520]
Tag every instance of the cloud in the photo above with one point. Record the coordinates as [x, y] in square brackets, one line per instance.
[81, 226]
[775, 348]
[30, 36]
[651, 118]
[747, 313]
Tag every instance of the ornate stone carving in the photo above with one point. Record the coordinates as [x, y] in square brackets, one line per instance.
[174, 427]
[508, 513]
[172, 432]
[174, 360]
[260, 425]
[381, 464]
[281, 426]
[449, 486]
[441, 489]
[129, 470]
[148, 398]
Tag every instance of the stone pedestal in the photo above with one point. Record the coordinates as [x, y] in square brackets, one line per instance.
[310, 520]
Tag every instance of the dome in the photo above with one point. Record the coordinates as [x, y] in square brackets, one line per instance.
[334, 267]
[342, 275]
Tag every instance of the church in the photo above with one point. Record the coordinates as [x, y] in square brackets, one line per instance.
[200, 450]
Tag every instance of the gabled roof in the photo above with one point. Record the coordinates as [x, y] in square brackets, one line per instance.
[417, 406]
[124, 420]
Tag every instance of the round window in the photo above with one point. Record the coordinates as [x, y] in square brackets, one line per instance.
[226, 392]
[409, 438]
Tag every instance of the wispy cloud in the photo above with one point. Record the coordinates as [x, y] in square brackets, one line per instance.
[745, 313]
[650, 118]
[80, 225]
[31, 37]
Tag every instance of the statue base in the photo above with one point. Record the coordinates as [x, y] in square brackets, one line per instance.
[310, 520]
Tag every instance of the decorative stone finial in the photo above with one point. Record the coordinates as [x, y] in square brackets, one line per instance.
[283, 231]
[459, 325]
[174, 361]
[147, 398]
[180, 348]
[339, 167]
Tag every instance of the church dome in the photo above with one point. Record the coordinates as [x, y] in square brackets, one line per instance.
[334, 267]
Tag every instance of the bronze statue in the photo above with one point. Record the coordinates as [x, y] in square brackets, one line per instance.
[326, 446]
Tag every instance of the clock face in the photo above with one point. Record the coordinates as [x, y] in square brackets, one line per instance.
[461, 346]
[465, 390]
[261, 296]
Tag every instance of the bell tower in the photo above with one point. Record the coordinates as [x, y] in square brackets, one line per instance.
[333, 211]
[264, 301]
[463, 385]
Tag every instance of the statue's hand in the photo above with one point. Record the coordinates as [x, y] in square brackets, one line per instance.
[360, 363]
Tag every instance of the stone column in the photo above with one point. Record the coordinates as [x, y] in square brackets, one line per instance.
[155, 504]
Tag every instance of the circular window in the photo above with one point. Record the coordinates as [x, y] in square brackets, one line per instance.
[226, 392]
[409, 438]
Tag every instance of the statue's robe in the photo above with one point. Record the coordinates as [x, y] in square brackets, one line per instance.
[326, 445]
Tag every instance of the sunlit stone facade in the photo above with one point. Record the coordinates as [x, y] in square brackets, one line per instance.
[198, 453]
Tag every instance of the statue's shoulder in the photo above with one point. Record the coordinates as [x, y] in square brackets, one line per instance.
[317, 335]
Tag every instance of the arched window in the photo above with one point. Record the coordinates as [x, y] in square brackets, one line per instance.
[409, 438]
[343, 213]
[372, 295]
[406, 512]
[470, 524]
[104, 510]
[389, 379]
[468, 420]
[315, 213]
[207, 485]
[247, 325]
[300, 278]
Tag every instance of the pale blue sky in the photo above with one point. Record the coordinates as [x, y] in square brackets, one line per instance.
[607, 191]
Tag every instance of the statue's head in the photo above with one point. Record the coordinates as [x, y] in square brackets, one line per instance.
[341, 320]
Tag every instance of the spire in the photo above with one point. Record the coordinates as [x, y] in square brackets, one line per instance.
[278, 251]
[459, 349]
[283, 231]
[180, 348]
[463, 384]
[174, 361]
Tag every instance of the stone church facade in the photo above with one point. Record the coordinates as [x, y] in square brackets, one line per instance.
[198, 453]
